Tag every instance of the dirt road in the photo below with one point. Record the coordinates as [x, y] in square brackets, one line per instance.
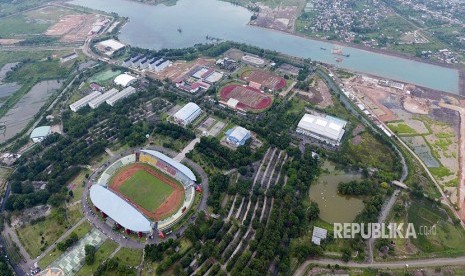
[461, 187]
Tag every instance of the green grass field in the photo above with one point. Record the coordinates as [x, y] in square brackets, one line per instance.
[140, 185]
[104, 76]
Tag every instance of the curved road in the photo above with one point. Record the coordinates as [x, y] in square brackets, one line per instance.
[393, 265]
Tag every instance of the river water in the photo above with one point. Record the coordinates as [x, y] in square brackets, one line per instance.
[156, 27]
[333, 206]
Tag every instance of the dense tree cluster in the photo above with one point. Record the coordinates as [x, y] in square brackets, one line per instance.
[154, 252]
[174, 131]
[224, 158]
[89, 251]
[113, 267]
[71, 240]
[364, 187]
[218, 184]
[5, 269]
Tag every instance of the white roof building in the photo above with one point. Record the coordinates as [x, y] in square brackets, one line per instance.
[39, 133]
[102, 98]
[124, 80]
[121, 95]
[318, 235]
[113, 44]
[119, 209]
[84, 101]
[187, 114]
[232, 103]
[327, 129]
[238, 136]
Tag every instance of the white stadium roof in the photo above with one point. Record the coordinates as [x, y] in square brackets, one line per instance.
[329, 127]
[239, 133]
[124, 80]
[180, 167]
[187, 111]
[119, 210]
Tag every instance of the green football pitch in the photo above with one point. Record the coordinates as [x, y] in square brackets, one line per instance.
[146, 190]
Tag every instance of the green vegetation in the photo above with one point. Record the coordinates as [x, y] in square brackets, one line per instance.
[78, 233]
[90, 254]
[146, 190]
[104, 76]
[449, 237]
[20, 26]
[102, 253]
[440, 172]
[129, 257]
[401, 128]
[370, 153]
[39, 235]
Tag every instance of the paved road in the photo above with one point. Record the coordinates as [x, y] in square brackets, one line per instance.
[186, 150]
[461, 188]
[393, 265]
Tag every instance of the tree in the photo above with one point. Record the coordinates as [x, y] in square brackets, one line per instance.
[90, 254]
[313, 211]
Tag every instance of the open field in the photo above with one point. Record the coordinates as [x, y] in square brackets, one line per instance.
[21, 26]
[249, 98]
[267, 80]
[81, 231]
[149, 199]
[141, 184]
[129, 256]
[449, 238]
[103, 252]
[35, 238]
[104, 76]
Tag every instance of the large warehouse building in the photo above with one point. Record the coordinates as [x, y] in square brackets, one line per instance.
[102, 98]
[187, 114]
[84, 101]
[237, 136]
[327, 129]
[126, 92]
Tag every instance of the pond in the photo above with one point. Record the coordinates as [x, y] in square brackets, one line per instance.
[333, 206]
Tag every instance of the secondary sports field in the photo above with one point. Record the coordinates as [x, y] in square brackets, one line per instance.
[266, 79]
[141, 184]
[152, 192]
[249, 98]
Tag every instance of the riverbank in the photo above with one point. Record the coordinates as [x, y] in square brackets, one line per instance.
[459, 67]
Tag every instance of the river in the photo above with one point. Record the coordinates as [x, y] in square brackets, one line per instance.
[156, 27]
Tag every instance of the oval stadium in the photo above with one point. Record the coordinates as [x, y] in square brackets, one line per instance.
[144, 192]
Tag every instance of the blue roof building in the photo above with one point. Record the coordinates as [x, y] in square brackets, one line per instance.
[237, 136]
